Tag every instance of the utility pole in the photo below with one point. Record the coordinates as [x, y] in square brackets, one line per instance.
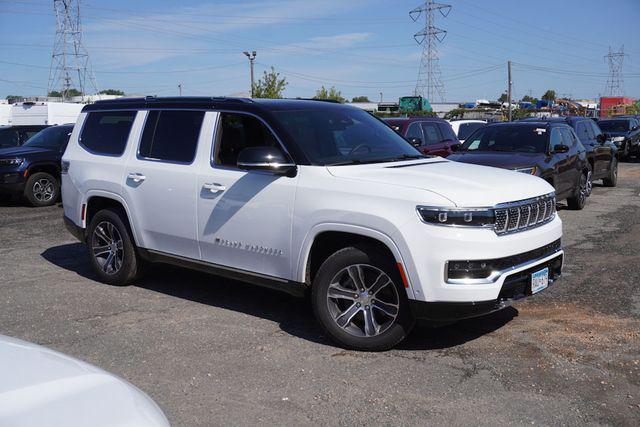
[429, 71]
[180, 88]
[70, 65]
[251, 57]
[510, 84]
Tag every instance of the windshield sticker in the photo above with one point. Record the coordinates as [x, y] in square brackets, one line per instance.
[539, 131]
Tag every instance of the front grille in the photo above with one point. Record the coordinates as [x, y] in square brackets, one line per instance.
[526, 214]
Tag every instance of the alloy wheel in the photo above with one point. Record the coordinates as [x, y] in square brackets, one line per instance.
[107, 247]
[589, 183]
[363, 300]
[583, 189]
[43, 190]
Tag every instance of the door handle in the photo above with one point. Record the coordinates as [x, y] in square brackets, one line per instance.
[214, 188]
[136, 177]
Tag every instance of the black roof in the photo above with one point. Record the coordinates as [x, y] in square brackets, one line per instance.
[205, 102]
[538, 123]
[413, 119]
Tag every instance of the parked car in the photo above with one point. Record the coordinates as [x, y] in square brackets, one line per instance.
[601, 153]
[625, 133]
[306, 197]
[15, 136]
[547, 149]
[42, 387]
[430, 135]
[33, 170]
[464, 128]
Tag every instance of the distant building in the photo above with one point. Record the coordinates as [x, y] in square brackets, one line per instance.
[613, 106]
[371, 107]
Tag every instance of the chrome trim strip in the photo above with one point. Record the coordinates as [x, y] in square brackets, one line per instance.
[496, 275]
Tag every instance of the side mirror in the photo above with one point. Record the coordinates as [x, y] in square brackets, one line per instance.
[601, 138]
[416, 142]
[266, 159]
[560, 148]
[455, 147]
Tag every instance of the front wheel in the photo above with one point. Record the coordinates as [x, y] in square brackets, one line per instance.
[579, 199]
[359, 300]
[41, 189]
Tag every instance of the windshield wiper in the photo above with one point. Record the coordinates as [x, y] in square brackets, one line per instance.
[405, 157]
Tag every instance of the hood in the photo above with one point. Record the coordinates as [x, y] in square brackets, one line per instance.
[465, 185]
[498, 159]
[22, 151]
[43, 387]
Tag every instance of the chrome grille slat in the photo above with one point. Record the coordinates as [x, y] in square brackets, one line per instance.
[523, 215]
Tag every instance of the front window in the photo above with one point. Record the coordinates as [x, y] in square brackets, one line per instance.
[614, 125]
[344, 136]
[53, 138]
[524, 139]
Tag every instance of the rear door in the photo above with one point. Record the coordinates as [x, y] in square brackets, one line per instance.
[604, 151]
[160, 181]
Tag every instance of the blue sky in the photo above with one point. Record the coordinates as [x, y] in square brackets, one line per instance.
[362, 47]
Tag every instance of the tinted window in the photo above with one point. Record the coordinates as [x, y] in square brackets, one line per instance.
[342, 135]
[447, 131]
[54, 138]
[568, 137]
[614, 125]
[432, 133]
[171, 135]
[237, 132]
[467, 129]
[510, 138]
[107, 132]
[414, 131]
[9, 138]
[556, 138]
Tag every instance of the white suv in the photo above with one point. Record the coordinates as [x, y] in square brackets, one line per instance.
[306, 196]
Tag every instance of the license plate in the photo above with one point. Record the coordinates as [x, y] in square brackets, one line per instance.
[539, 280]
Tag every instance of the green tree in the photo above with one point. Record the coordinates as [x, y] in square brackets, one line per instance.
[332, 93]
[549, 95]
[55, 93]
[14, 98]
[270, 85]
[69, 93]
[111, 92]
[360, 99]
[528, 98]
[504, 97]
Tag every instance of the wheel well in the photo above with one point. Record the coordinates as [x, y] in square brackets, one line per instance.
[48, 168]
[97, 203]
[329, 242]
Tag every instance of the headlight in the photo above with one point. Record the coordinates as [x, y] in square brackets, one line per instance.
[528, 171]
[11, 162]
[617, 139]
[457, 217]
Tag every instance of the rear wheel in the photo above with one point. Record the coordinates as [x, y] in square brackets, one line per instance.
[42, 189]
[579, 199]
[612, 179]
[359, 300]
[112, 251]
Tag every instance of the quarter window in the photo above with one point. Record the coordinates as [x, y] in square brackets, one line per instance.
[106, 132]
[171, 135]
[237, 132]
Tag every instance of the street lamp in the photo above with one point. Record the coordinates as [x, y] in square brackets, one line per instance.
[251, 57]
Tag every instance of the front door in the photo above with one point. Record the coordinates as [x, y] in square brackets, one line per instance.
[160, 182]
[244, 217]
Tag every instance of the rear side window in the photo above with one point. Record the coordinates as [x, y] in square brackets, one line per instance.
[106, 132]
[171, 135]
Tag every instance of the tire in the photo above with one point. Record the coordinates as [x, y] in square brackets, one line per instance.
[111, 249]
[345, 318]
[612, 179]
[579, 199]
[42, 189]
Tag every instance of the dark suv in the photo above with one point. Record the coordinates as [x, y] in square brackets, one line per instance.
[33, 170]
[548, 149]
[601, 153]
[430, 135]
[15, 136]
[625, 133]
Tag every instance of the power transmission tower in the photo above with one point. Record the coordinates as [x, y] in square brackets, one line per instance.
[428, 83]
[70, 65]
[615, 81]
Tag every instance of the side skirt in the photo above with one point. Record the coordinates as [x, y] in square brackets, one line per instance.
[290, 287]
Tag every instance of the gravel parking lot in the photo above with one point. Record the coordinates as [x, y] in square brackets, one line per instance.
[212, 351]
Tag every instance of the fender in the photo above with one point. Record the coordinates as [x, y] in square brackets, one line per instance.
[109, 195]
[39, 163]
[303, 257]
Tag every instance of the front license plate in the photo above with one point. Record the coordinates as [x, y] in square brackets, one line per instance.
[539, 280]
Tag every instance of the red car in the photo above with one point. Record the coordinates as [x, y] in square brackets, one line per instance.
[430, 135]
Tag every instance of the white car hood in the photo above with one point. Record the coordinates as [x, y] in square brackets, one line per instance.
[41, 387]
[464, 184]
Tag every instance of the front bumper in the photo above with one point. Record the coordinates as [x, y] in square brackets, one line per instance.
[11, 183]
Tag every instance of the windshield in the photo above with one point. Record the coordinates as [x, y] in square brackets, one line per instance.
[53, 138]
[614, 125]
[467, 129]
[524, 139]
[344, 136]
